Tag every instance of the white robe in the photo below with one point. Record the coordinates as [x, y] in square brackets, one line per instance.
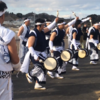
[5, 83]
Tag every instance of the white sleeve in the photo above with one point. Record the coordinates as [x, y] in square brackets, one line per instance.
[8, 36]
[51, 45]
[86, 19]
[52, 25]
[74, 43]
[33, 53]
[72, 22]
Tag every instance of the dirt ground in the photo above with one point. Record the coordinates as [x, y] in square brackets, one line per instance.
[81, 85]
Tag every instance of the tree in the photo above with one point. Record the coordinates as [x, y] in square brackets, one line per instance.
[19, 15]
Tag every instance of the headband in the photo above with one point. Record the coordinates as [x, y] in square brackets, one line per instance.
[39, 23]
[48, 22]
[26, 20]
[1, 13]
[96, 24]
[61, 23]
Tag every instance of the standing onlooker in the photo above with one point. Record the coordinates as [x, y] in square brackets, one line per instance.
[9, 60]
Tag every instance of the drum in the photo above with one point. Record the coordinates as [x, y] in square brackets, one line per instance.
[98, 46]
[66, 55]
[82, 53]
[50, 64]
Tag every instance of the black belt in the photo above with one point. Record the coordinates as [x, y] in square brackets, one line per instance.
[5, 74]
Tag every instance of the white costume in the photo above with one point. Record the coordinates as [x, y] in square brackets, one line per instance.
[94, 55]
[23, 38]
[6, 36]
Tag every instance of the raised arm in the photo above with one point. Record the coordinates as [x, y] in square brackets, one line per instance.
[71, 22]
[86, 19]
[51, 26]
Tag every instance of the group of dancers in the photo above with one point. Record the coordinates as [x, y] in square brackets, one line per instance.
[47, 39]
[44, 41]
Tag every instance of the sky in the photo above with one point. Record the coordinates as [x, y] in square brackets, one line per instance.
[82, 8]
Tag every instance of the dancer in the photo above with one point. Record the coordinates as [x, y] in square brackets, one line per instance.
[37, 47]
[23, 35]
[56, 47]
[93, 41]
[75, 43]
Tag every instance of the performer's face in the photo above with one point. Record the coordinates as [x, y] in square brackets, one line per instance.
[97, 26]
[85, 25]
[79, 25]
[28, 23]
[61, 26]
[42, 27]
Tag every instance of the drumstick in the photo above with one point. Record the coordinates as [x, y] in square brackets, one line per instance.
[74, 14]
[57, 13]
[90, 22]
[52, 54]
